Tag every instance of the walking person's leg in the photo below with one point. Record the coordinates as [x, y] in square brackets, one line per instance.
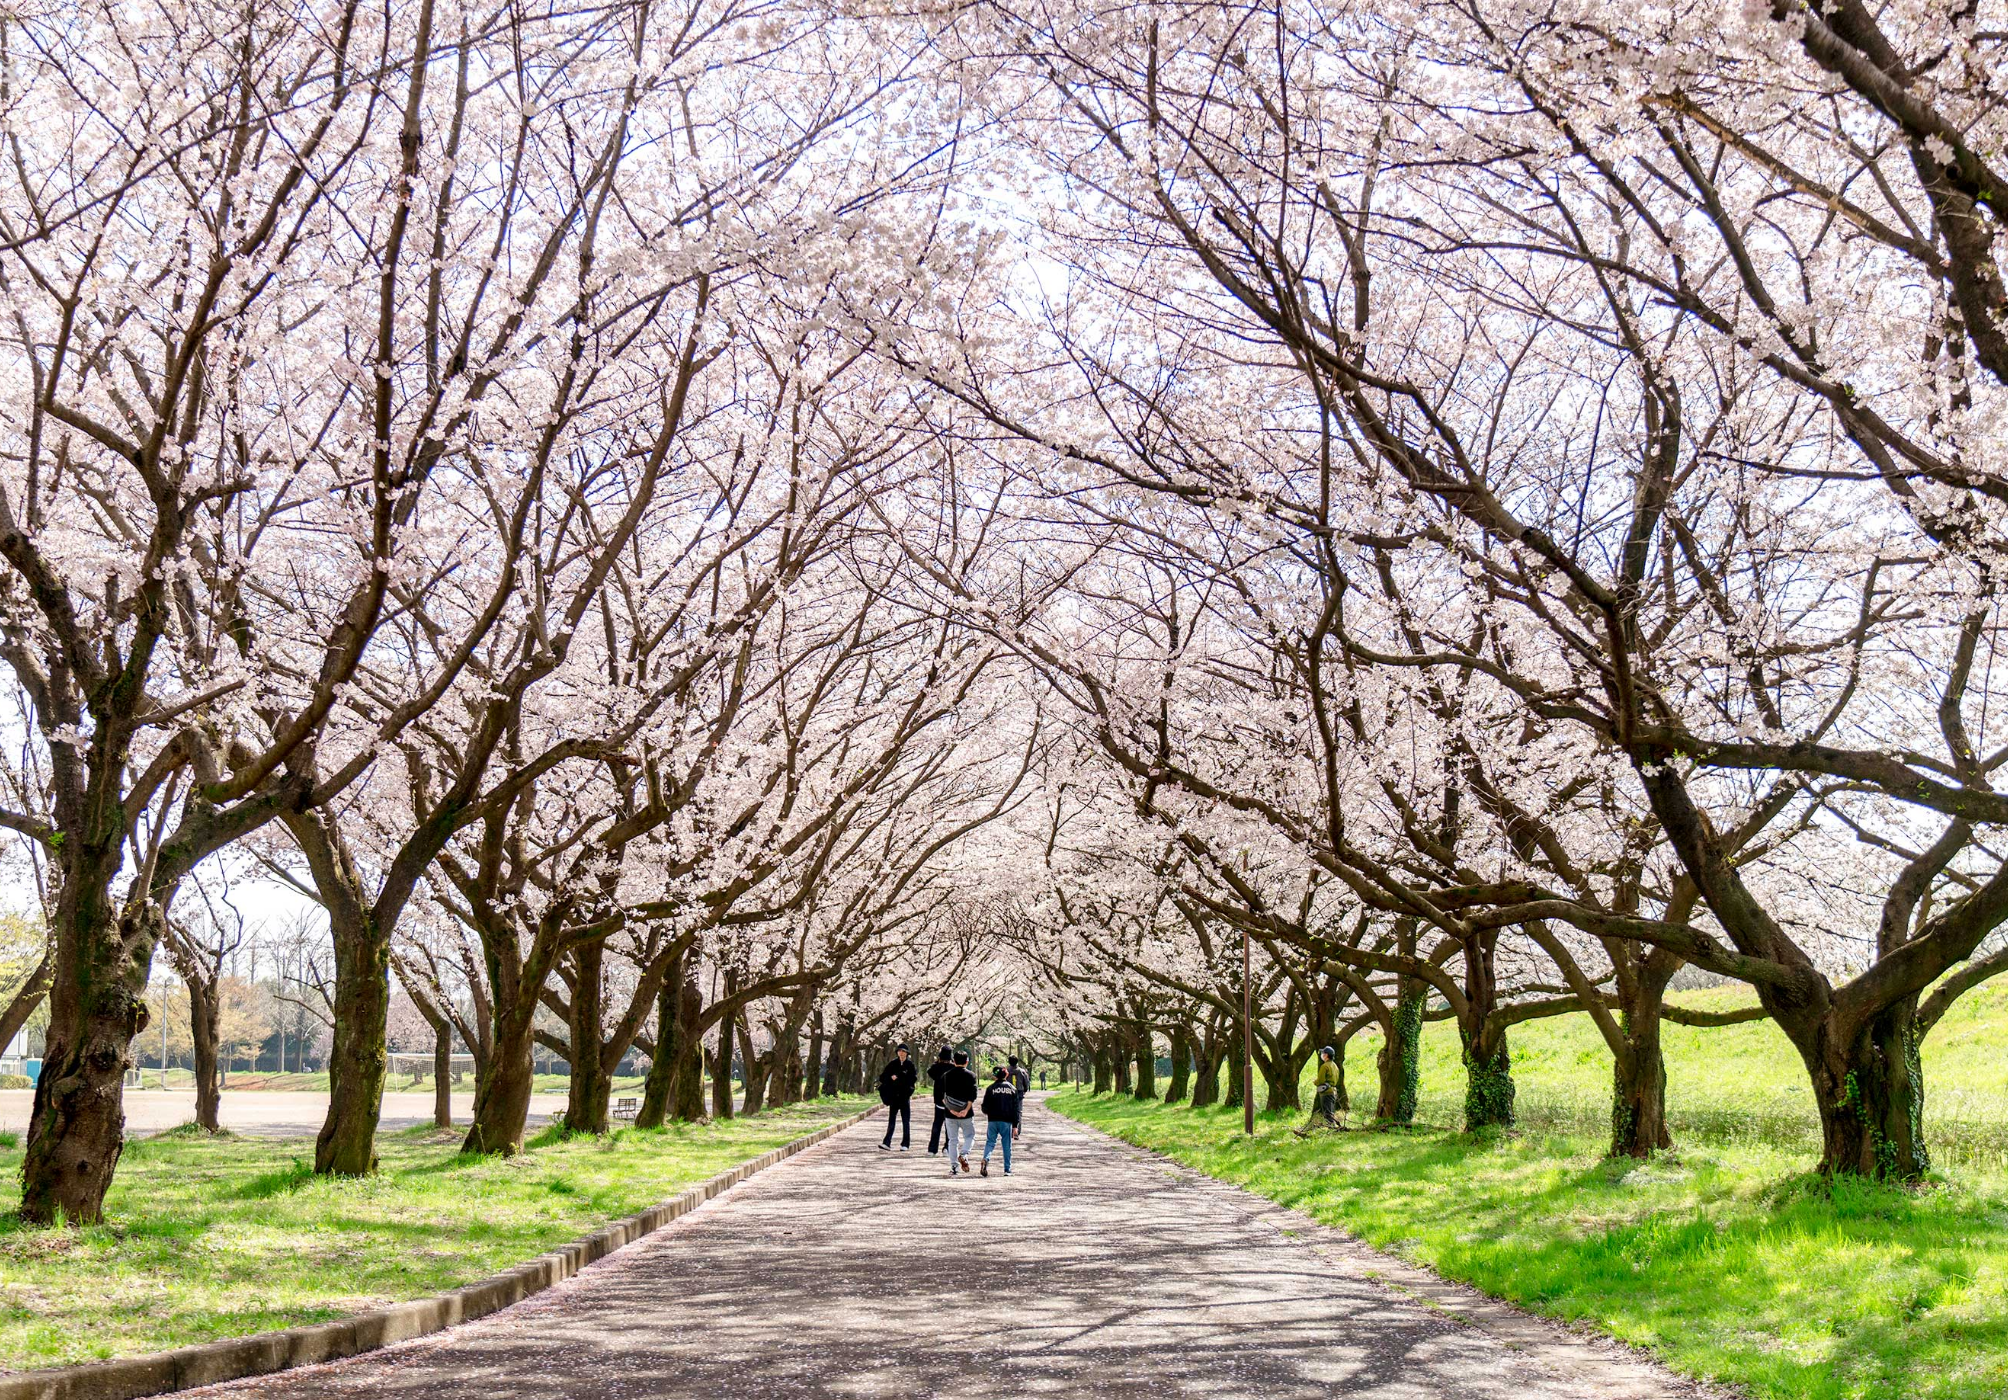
[934, 1135]
[891, 1116]
[906, 1125]
[1008, 1134]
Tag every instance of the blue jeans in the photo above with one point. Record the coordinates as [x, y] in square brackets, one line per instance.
[999, 1131]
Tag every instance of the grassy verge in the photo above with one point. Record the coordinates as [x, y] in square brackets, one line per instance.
[209, 1238]
[1728, 1258]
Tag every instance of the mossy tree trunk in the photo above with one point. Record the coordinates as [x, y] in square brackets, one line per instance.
[1870, 1095]
[1400, 1058]
[97, 1005]
[1488, 1063]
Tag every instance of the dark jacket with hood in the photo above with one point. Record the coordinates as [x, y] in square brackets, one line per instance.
[896, 1083]
[958, 1083]
[1000, 1102]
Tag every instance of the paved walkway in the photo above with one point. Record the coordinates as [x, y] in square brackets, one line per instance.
[1095, 1270]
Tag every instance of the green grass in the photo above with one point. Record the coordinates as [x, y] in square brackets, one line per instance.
[1729, 1257]
[1728, 1084]
[206, 1238]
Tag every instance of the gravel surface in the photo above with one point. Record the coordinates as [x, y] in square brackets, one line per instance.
[1095, 1270]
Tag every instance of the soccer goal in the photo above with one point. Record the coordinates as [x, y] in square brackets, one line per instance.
[418, 1067]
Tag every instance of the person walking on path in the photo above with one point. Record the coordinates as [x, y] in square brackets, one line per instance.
[1002, 1105]
[1021, 1080]
[943, 1063]
[958, 1101]
[896, 1093]
[1325, 1111]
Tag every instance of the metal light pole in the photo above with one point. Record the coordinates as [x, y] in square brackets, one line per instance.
[1247, 1046]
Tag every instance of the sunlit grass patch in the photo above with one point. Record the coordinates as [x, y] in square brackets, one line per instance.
[210, 1237]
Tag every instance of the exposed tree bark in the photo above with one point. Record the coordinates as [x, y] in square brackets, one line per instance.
[1181, 1065]
[204, 1011]
[588, 1094]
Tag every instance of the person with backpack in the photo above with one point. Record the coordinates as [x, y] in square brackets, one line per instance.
[958, 1102]
[1002, 1104]
[895, 1086]
[943, 1063]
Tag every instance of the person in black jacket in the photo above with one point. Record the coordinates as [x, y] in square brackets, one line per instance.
[958, 1102]
[896, 1093]
[1021, 1080]
[943, 1063]
[1002, 1105]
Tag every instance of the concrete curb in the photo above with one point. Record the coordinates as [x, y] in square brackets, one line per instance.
[185, 1368]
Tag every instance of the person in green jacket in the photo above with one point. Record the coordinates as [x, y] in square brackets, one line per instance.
[1325, 1111]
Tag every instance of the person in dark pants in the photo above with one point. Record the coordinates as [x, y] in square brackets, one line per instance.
[958, 1101]
[1001, 1105]
[896, 1093]
[942, 1064]
[1021, 1080]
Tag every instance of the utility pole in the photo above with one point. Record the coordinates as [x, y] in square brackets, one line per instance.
[1247, 1045]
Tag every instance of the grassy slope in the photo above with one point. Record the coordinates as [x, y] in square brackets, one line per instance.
[1727, 1257]
[210, 1238]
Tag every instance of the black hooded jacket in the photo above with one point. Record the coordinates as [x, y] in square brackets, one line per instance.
[896, 1083]
[1001, 1103]
[958, 1083]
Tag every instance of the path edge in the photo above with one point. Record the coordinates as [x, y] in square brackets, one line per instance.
[264, 1353]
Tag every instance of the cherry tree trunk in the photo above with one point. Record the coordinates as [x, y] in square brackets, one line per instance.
[721, 1074]
[502, 1101]
[203, 1011]
[753, 1069]
[1146, 1065]
[97, 1005]
[1400, 1058]
[591, 1087]
[658, 1093]
[442, 1073]
[1104, 1075]
[1118, 1055]
[1280, 1077]
[1870, 1093]
[1488, 1065]
[1206, 1071]
[1344, 1101]
[1488, 1077]
[1237, 1070]
[1181, 1066]
[812, 1077]
[1638, 1088]
[358, 1058]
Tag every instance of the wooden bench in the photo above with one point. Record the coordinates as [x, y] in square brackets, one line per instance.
[624, 1110]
